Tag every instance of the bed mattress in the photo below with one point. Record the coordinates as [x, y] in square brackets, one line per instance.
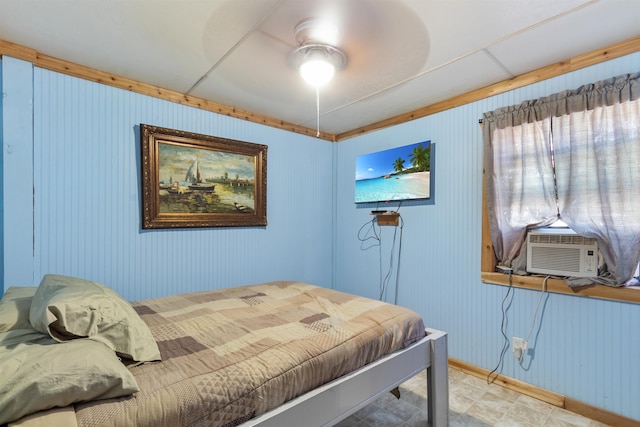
[232, 354]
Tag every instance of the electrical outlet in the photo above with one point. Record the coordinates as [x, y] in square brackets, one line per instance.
[519, 348]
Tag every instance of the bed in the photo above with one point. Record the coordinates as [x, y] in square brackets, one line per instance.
[273, 354]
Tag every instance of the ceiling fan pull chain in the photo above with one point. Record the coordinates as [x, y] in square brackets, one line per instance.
[317, 112]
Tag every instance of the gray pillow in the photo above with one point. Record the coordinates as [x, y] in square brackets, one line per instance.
[67, 308]
[37, 373]
[14, 308]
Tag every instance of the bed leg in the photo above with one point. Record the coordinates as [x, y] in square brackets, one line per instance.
[438, 383]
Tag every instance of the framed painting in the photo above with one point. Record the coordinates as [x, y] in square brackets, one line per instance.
[192, 180]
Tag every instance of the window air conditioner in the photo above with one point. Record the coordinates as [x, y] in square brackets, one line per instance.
[561, 252]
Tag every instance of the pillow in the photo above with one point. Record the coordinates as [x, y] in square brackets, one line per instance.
[14, 308]
[67, 308]
[37, 373]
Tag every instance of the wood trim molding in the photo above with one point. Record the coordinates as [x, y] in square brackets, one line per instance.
[610, 52]
[50, 63]
[17, 51]
[53, 64]
[488, 259]
[575, 406]
[559, 286]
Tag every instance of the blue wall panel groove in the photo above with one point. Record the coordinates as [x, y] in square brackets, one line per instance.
[86, 222]
[88, 205]
[582, 348]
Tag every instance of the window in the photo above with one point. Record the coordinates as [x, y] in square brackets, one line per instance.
[573, 156]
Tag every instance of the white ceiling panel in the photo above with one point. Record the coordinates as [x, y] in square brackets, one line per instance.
[116, 37]
[402, 54]
[597, 26]
[242, 81]
[476, 70]
[460, 27]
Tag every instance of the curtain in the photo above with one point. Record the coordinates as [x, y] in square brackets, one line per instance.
[583, 151]
[520, 187]
[597, 150]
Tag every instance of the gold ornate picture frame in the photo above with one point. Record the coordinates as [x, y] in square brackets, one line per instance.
[192, 180]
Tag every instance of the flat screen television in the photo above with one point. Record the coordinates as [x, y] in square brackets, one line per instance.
[402, 173]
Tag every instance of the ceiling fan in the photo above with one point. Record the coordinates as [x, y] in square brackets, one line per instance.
[316, 57]
[359, 39]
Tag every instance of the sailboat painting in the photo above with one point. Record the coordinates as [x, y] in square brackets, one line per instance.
[201, 181]
[200, 177]
[195, 178]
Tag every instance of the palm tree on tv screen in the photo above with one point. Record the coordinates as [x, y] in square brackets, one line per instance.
[398, 165]
[420, 158]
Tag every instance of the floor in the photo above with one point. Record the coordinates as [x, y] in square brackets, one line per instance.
[472, 402]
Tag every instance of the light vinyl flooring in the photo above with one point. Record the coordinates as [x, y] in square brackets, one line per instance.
[472, 402]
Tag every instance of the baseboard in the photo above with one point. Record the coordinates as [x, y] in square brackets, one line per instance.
[581, 408]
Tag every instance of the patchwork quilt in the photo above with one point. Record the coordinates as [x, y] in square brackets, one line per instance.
[232, 354]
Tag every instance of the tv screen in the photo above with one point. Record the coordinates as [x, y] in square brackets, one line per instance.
[402, 173]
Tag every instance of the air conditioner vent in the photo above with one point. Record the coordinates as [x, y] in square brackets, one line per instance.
[561, 252]
[561, 239]
[557, 259]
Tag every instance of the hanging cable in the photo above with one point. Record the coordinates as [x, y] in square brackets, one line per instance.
[370, 236]
[384, 282]
[505, 345]
[395, 300]
[535, 314]
[364, 236]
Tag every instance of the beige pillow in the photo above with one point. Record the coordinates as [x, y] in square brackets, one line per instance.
[37, 373]
[68, 308]
[14, 308]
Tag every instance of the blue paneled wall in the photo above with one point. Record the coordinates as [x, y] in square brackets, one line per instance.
[82, 217]
[17, 170]
[583, 348]
[71, 199]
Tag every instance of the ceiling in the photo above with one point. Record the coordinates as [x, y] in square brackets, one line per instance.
[402, 54]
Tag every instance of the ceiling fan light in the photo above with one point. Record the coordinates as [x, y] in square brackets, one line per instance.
[317, 71]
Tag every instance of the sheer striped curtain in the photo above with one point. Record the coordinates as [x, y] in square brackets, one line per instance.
[573, 156]
[519, 178]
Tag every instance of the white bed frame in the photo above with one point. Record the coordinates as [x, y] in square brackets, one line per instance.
[334, 401]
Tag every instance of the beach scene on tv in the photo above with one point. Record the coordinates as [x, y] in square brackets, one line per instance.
[402, 173]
